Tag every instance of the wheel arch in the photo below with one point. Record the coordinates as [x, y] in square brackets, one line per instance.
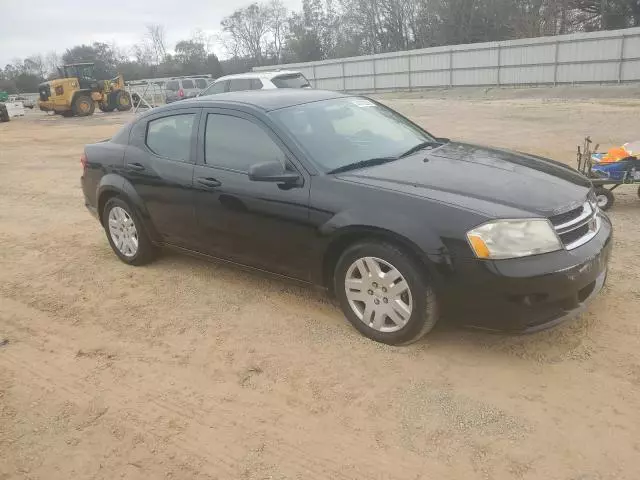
[113, 185]
[348, 236]
[77, 93]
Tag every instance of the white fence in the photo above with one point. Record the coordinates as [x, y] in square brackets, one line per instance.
[598, 57]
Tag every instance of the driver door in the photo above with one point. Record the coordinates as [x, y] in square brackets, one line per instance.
[260, 224]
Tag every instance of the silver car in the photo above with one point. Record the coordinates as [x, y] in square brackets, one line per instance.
[181, 88]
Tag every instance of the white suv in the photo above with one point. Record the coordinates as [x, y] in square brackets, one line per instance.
[257, 81]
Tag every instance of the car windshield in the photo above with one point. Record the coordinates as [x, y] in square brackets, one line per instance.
[292, 80]
[350, 130]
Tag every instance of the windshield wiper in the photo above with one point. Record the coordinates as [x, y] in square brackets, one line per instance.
[418, 147]
[363, 163]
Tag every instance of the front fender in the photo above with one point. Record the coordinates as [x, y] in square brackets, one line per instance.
[417, 233]
[353, 225]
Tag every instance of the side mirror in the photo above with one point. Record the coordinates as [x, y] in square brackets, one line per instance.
[272, 172]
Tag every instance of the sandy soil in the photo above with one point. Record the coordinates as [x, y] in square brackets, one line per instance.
[192, 370]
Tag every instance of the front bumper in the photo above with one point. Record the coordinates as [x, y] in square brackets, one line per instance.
[525, 295]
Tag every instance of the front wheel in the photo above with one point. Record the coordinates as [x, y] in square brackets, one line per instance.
[604, 198]
[126, 233]
[83, 106]
[383, 293]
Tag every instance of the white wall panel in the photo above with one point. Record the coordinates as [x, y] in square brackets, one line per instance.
[582, 57]
[526, 75]
[486, 76]
[391, 65]
[358, 68]
[527, 55]
[398, 80]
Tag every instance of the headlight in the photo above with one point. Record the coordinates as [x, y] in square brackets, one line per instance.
[513, 238]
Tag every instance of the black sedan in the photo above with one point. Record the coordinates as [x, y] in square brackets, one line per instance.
[340, 191]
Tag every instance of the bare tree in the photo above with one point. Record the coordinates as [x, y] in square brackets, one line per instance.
[247, 28]
[278, 26]
[156, 35]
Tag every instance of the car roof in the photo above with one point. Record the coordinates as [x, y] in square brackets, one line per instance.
[266, 74]
[265, 100]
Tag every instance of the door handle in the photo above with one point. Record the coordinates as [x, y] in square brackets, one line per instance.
[209, 182]
[135, 166]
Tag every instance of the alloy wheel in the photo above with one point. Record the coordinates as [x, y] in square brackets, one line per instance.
[123, 231]
[378, 294]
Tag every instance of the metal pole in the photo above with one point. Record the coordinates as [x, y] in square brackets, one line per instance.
[344, 79]
[621, 59]
[450, 68]
[374, 74]
[498, 79]
[555, 64]
[313, 70]
[409, 69]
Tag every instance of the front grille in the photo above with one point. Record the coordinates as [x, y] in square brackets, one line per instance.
[566, 216]
[577, 226]
[44, 89]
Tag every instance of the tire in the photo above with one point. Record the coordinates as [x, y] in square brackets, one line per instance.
[145, 251]
[66, 113]
[4, 114]
[638, 192]
[83, 106]
[604, 198]
[122, 101]
[419, 295]
[105, 108]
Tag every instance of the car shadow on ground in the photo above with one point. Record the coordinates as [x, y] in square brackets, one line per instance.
[565, 341]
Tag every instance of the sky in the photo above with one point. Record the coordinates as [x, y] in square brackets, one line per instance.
[29, 27]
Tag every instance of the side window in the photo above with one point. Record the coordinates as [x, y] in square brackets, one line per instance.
[218, 87]
[201, 83]
[240, 84]
[187, 84]
[170, 137]
[173, 85]
[256, 84]
[237, 144]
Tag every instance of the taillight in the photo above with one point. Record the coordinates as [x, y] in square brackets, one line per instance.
[181, 93]
[83, 161]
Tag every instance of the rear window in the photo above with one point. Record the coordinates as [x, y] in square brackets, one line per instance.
[173, 85]
[201, 83]
[256, 84]
[188, 84]
[293, 80]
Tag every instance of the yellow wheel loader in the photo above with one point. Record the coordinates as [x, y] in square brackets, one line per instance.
[77, 92]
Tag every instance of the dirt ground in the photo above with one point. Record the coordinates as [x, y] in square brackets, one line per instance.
[191, 370]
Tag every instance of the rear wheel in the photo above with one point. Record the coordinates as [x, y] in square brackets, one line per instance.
[105, 107]
[83, 106]
[383, 294]
[123, 101]
[126, 234]
[604, 197]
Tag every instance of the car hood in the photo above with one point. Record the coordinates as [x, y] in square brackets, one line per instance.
[480, 178]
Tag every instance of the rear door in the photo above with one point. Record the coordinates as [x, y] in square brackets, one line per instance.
[189, 88]
[159, 164]
[171, 90]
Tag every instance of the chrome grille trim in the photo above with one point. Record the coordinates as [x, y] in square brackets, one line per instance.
[590, 217]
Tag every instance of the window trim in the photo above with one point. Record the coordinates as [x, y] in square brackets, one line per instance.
[196, 121]
[291, 157]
